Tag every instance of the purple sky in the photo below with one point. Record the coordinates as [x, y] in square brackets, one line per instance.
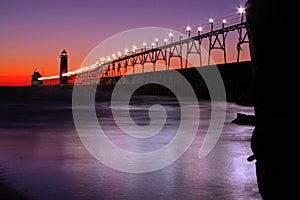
[33, 32]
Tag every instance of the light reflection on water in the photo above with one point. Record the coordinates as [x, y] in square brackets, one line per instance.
[42, 154]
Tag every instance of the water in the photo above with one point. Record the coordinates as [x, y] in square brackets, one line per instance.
[43, 156]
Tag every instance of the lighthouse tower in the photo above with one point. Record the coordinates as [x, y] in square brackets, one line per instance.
[63, 80]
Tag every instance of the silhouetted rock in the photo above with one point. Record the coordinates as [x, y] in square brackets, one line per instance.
[244, 119]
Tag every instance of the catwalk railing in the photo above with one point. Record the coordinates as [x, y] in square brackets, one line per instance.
[180, 49]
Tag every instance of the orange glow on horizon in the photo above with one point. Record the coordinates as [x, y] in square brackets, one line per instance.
[15, 80]
[16, 67]
[17, 72]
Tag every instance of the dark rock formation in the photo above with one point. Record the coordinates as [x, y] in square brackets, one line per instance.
[244, 119]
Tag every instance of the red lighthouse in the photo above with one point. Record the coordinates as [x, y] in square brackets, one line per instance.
[63, 80]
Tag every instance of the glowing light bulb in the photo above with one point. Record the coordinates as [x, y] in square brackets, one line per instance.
[200, 29]
[241, 10]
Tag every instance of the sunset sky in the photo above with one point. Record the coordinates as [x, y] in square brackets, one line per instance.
[34, 32]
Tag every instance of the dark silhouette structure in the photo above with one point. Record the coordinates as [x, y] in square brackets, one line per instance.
[275, 94]
[63, 80]
[166, 52]
[35, 78]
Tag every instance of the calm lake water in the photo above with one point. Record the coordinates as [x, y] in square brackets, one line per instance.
[43, 155]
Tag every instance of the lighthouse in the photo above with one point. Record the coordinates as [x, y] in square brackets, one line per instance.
[63, 80]
[35, 78]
